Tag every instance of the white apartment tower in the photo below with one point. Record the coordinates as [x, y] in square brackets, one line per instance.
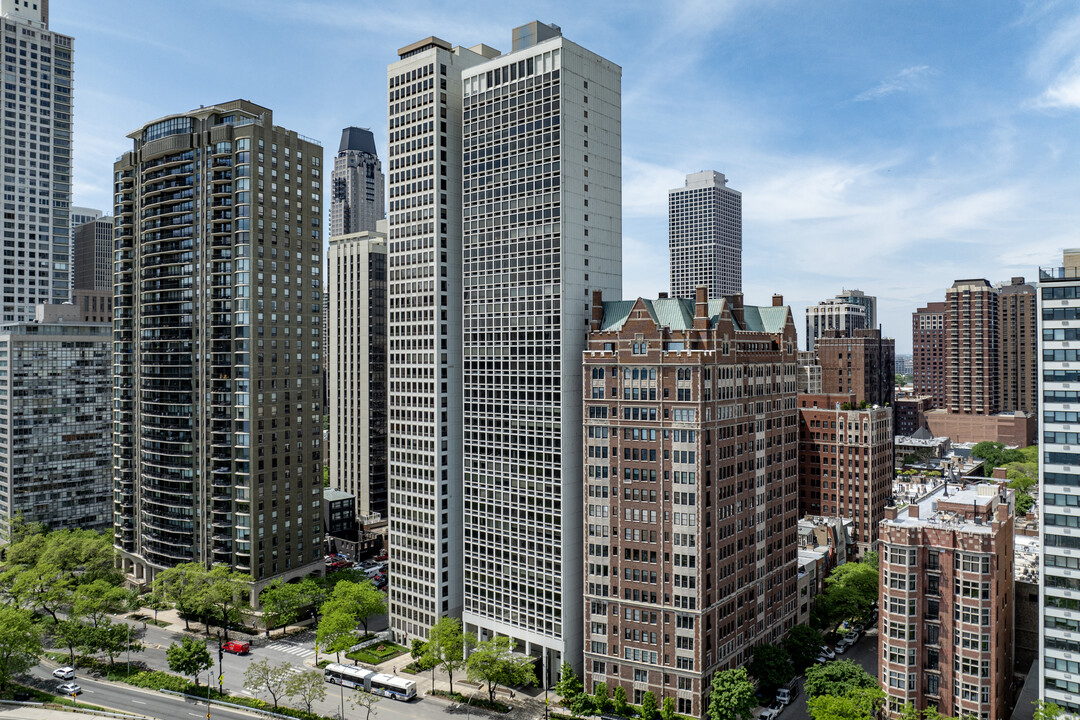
[356, 200]
[833, 314]
[357, 369]
[542, 204]
[37, 172]
[705, 236]
[424, 332]
[1059, 481]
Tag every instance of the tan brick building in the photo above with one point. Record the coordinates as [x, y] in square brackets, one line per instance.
[946, 599]
[690, 490]
[1018, 358]
[845, 463]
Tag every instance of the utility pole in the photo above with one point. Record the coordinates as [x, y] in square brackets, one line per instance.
[129, 649]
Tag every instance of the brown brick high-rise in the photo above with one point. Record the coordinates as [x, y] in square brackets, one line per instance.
[971, 348]
[690, 491]
[862, 363]
[928, 352]
[1018, 362]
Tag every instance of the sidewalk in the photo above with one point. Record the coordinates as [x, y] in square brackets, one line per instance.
[177, 624]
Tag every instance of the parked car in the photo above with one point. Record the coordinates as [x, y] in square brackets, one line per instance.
[859, 628]
[68, 689]
[827, 652]
[64, 673]
[771, 712]
[841, 647]
[821, 659]
[852, 637]
[237, 647]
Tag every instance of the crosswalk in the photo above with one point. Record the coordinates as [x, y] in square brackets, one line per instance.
[291, 649]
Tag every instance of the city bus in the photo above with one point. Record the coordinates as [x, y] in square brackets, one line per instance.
[392, 686]
[350, 676]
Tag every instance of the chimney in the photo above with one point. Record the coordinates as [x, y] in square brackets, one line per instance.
[777, 300]
[701, 308]
[663, 296]
[597, 310]
[1000, 473]
[890, 512]
[737, 309]
[913, 510]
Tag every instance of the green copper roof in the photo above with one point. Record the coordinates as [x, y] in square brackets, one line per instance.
[678, 314]
[764, 319]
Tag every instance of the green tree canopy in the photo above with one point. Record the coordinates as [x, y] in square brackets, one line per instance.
[995, 455]
[20, 643]
[771, 667]
[569, 685]
[649, 708]
[184, 585]
[837, 678]
[850, 591]
[281, 603]
[446, 646]
[858, 704]
[618, 701]
[189, 657]
[228, 597]
[309, 686]
[261, 677]
[336, 630]
[667, 709]
[494, 663]
[731, 696]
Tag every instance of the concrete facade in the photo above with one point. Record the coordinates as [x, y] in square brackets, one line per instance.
[356, 336]
[357, 184]
[41, 273]
[690, 486]
[705, 236]
[833, 316]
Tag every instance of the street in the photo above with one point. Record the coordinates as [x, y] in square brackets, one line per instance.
[297, 650]
[864, 653]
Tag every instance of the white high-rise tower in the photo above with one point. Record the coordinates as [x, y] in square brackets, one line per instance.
[37, 173]
[705, 236]
[542, 198]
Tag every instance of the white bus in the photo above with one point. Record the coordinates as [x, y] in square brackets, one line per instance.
[350, 676]
[393, 687]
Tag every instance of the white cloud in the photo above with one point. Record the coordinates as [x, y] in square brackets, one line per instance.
[1064, 92]
[646, 185]
[903, 81]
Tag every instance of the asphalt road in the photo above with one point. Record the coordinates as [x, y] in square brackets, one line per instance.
[294, 650]
[864, 653]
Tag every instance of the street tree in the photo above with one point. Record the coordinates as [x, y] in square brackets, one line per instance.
[858, 704]
[94, 602]
[850, 591]
[364, 702]
[618, 701]
[446, 646]
[336, 630]
[667, 709]
[569, 685]
[601, 700]
[44, 586]
[281, 604]
[495, 663]
[113, 639]
[771, 666]
[261, 676]
[314, 594]
[20, 643]
[70, 633]
[649, 709]
[228, 597]
[309, 686]
[803, 644]
[837, 678]
[184, 585]
[189, 657]
[369, 603]
[1047, 710]
[731, 696]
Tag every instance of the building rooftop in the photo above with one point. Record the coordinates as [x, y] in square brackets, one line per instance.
[1026, 558]
[940, 507]
[332, 495]
[678, 314]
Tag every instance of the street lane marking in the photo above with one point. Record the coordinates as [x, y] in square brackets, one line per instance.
[140, 702]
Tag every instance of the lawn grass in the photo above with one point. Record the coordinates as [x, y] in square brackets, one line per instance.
[375, 654]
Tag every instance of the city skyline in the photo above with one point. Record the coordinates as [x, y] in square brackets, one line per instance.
[850, 161]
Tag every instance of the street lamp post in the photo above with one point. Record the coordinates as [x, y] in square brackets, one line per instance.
[209, 682]
[129, 649]
[220, 664]
[341, 687]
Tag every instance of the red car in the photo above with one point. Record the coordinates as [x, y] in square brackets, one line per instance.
[236, 647]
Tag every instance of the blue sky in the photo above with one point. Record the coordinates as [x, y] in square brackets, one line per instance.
[890, 146]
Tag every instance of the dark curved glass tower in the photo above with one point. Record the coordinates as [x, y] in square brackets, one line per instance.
[217, 342]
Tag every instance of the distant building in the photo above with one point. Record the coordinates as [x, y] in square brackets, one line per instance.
[928, 352]
[1012, 428]
[705, 236]
[94, 254]
[861, 363]
[809, 380]
[356, 198]
[909, 413]
[869, 302]
[1018, 361]
[339, 514]
[680, 579]
[357, 371]
[946, 599]
[833, 316]
[845, 462]
[56, 421]
[904, 365]
[920, 444]
[972, 345]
